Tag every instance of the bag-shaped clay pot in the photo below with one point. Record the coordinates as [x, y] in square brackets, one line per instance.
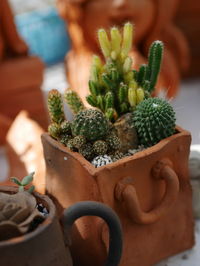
[45, 245]
[150, 191]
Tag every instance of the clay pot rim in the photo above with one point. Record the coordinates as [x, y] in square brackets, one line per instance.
[46, 223]
[94, 171]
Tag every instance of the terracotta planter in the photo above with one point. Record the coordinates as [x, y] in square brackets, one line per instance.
[45, 245]
[150, 192]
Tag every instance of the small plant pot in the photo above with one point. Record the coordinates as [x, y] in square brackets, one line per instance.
[45, 245]
[150, 191]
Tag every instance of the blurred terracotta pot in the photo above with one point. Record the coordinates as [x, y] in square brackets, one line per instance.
[45, 245]
[150, 192]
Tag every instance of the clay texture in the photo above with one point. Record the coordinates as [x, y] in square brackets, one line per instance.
[17, 93]
[150, 192]
[43, 246]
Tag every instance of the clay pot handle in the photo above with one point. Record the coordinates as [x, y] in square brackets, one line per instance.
[126, 193]
[92, 208]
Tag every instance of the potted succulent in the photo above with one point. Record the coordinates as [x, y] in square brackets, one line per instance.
[126, 152]
[30, 233]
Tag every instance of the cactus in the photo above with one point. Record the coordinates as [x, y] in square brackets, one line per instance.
[113, 142]
[101, 160]
[100, 147]
[74, 101]
[154, 120]
[90, 123]
[117, 156]
[64, 138]
[65, 127]
[148, 74]
[87, 151]
[54, 130]
[55, 107]
[114, 87]
[79, 141]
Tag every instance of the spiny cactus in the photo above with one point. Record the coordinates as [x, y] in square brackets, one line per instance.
[148, 74]
[79, 141]
[90, 123]
[64, 138]
[100, 147]
[113, 142]
[87, 151]
[101, 160]
[54, 130]
[115, 88]
[154, 120]
[55, 107]
[117, 156]
[65, 127]
[74, 101]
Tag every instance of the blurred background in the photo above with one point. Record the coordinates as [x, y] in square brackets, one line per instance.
[45, 32]
[46, 44]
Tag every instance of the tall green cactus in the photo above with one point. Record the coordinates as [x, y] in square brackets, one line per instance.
[115, 88]
[148, 74]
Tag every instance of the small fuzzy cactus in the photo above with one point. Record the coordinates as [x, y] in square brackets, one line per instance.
[64, 138]
[55, 107]
[113, 142]
[90, 123]
[73, 101]
[100, 147]
[87, 151]
[65, 127]
[79, 141]
[154, 120]
[54, 130]
[101, 160]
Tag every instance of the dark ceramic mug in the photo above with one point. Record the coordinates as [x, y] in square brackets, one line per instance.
[45, 245]
[92, 208]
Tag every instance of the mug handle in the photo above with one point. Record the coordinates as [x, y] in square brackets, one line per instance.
[92, 208]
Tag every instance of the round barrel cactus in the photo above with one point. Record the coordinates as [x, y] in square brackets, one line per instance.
[154, 120]
[90, 123]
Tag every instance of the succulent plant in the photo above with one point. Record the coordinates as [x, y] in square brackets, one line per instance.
[54, 130]
[100, 147]
[117, 156]
[90, 123]
[74, 101]
[55, 107]
[115, 88]
[87, 151]
[79, 141]
[64, 138]
[101, 160]
[65, 127]
[18, 212]
[113, 142]
[154, 119]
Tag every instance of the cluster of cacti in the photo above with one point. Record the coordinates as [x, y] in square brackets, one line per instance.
[154, 119]
[89, 133]
[125, 119]
[115, 88]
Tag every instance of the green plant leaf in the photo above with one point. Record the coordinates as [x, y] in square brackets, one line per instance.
[31, 189]
[16, 181]
[27, 179]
